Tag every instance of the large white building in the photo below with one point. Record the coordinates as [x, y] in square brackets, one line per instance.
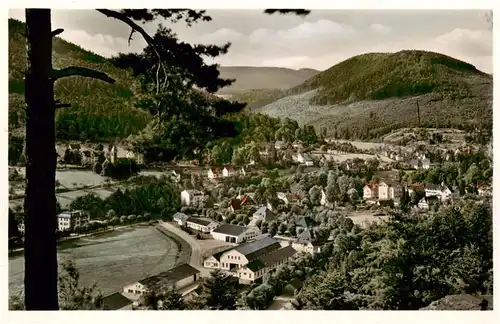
[67, 220]
[191, 197]
[252, 260]
[234, 233]
[177, 277]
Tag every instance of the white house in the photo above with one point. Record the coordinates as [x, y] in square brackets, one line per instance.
[228, 171]
[177, 277]
[67, 220]
[303, 158]
[306, 247]
[426, 202]
[389, 190]
[279, 145]
[441, 191]
[305, 242]
[234, 234]
[201, 225]
[214, 173]
[287, 198]
[370, 191]
[265, 214]
[180, 218]
[191, 197]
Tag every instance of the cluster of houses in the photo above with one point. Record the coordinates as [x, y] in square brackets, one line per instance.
[67, 221]
[91, 156]
[377, 193]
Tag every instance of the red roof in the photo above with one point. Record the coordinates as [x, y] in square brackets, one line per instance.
[372, 185]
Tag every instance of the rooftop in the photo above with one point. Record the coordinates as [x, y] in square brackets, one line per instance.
[179, 215]
[271, 258]
[170, 276]
[115, 301]
[229, 229]
[253, 250]
[199, 221]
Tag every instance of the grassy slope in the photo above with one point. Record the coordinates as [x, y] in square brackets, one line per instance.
[250, 78]
[97, 107]
[386, 86]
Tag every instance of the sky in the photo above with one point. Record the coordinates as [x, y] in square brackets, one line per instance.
[318, 41]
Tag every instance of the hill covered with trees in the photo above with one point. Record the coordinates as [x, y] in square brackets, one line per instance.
[99, 111]
[372, 94]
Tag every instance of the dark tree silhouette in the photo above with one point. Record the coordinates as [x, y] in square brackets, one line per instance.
[40, 203]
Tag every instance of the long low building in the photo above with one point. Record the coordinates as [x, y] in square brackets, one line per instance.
[234, 233]
[178, 277]
[251, 260]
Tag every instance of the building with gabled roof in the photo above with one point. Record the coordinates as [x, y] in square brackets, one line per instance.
[176, 277]
[250, 261]
[234, 233]
[370, 191]
[259, 267]
[265, 214]
[201, 224]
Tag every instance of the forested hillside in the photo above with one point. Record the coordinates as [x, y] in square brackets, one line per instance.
[372, 94]
[99, 111]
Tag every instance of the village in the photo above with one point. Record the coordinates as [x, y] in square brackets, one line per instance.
[262, 217]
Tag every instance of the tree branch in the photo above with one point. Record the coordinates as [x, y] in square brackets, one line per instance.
[130, 37]
[57, 32]
[81, 71]
[298, 12]
[140, 30]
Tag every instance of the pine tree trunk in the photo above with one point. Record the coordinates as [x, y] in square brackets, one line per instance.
[40, 252]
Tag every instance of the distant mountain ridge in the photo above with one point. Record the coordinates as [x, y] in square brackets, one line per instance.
[371, 94]
[250, 78]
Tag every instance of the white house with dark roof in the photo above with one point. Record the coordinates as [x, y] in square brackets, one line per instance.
[305, 242]
[303, 158]
[443, 192]
[265, 214]
[426, 202]
[234, 233]
[201, 224]
[257, 268]
[178, 277]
